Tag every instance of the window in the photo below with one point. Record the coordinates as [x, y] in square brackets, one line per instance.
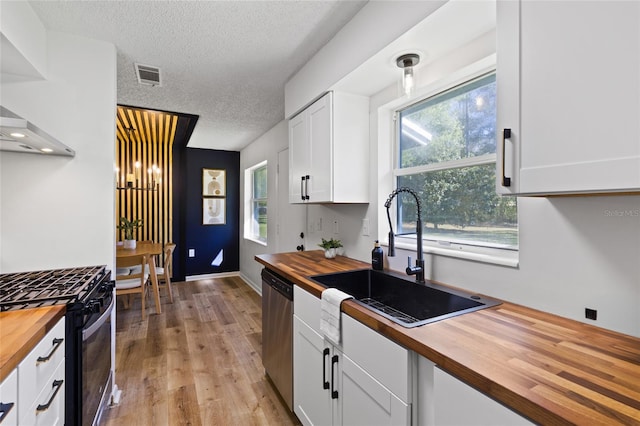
[446, 152]
[256, 211]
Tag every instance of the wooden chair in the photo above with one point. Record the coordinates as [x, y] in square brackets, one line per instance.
[164, 274]
[136, 281]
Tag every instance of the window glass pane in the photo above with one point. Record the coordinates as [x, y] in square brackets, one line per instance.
[459, 123]
[459, 205]
[260, 182]
[259, 222]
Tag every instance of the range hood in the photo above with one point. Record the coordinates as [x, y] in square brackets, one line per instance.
[19, 135]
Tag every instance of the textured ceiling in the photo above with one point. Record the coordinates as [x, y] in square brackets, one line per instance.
[226, 61]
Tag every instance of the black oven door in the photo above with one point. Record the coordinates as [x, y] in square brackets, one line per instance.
[96, 362]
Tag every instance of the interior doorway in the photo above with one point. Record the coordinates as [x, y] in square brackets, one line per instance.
[292, 218]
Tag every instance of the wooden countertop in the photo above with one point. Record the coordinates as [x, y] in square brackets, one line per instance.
[550, 369]
[20, 332]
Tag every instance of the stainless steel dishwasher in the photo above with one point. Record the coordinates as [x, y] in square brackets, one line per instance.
[277, 333]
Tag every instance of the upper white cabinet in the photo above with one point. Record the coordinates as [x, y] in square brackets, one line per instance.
[568, 76]
[329, 151]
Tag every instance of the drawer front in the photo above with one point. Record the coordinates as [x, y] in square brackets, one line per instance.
[376, 354]
[307, 307]
[48, 407]
[36, 370]
[9, 399]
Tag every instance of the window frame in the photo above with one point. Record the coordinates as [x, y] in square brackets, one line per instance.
[250, 200]
[482, 252]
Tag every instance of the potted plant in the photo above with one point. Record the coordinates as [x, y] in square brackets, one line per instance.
[330, 247]
[128, 226]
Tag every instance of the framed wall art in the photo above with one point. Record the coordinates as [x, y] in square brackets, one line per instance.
[214, 183]
[214, 211]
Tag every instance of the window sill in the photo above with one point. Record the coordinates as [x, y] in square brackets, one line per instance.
[262, 243]
[502, 257]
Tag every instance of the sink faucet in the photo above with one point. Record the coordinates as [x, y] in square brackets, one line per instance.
[418, 269]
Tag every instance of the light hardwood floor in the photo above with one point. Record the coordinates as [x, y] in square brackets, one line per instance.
[197, 363]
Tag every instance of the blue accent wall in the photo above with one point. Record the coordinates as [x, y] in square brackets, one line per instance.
[189, 232]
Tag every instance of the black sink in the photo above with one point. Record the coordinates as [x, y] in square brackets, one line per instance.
[401, 300]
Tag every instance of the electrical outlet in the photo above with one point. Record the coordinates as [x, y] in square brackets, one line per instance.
[365, 227]
[591, 314]
[192, 252]
[336, 227]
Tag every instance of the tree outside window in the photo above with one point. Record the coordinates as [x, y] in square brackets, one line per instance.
[446, 153]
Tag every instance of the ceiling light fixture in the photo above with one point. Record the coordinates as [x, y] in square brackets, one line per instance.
[407, 62]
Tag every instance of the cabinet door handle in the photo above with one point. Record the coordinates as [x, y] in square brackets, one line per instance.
[57, 384]
[325, 382]
[334, 361]
[302, 187]
[5, 409]
[56, 345]
[306, 187]
[506, 134]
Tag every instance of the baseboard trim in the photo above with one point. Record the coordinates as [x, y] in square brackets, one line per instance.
[250, 283]
[216, 275]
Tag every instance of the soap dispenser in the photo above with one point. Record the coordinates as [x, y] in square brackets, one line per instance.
[377, 255]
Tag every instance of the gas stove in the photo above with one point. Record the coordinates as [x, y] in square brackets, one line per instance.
[87, 293]
[50, 287]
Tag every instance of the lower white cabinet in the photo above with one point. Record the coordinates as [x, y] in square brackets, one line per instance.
[311, 380]
[48, 407]
[364, 381]
[457, 404]
[9, 399]
[37, 386]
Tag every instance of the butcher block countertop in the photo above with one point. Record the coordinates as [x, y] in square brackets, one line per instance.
[550, 369]
[20, 332]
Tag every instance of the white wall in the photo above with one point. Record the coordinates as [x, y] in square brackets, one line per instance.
[24, 42]
[266, 147]
[376, 25]
[55, 211]
[575, 252]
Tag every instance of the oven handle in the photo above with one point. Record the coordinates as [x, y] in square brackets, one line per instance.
[88, 332]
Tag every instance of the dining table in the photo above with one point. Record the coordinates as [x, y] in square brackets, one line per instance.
[150, 250]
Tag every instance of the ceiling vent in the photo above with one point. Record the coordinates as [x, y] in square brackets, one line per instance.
[148, 75]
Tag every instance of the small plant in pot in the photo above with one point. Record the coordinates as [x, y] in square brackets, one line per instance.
[330, 247]
[128, 226]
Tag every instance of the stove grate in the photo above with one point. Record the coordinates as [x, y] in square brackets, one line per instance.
[47, 287]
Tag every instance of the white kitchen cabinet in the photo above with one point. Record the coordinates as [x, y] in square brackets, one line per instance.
[41, 376]
[569, 93]
[47, 409]
[9, 399]
[457, 404]
[349, 384]
[329, 151]
[311, 399]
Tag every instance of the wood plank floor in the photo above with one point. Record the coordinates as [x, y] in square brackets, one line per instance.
[197, 363]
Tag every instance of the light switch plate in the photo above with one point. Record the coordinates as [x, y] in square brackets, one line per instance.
[365, 227]
[192, 252]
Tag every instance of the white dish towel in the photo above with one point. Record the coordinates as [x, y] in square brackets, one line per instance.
[330, 314]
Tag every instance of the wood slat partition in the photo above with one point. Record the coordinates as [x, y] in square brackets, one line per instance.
[147, 137]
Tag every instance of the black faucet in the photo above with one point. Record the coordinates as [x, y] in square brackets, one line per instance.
[418, 269]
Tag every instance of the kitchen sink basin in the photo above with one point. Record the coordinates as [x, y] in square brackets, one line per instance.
[403, 301]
